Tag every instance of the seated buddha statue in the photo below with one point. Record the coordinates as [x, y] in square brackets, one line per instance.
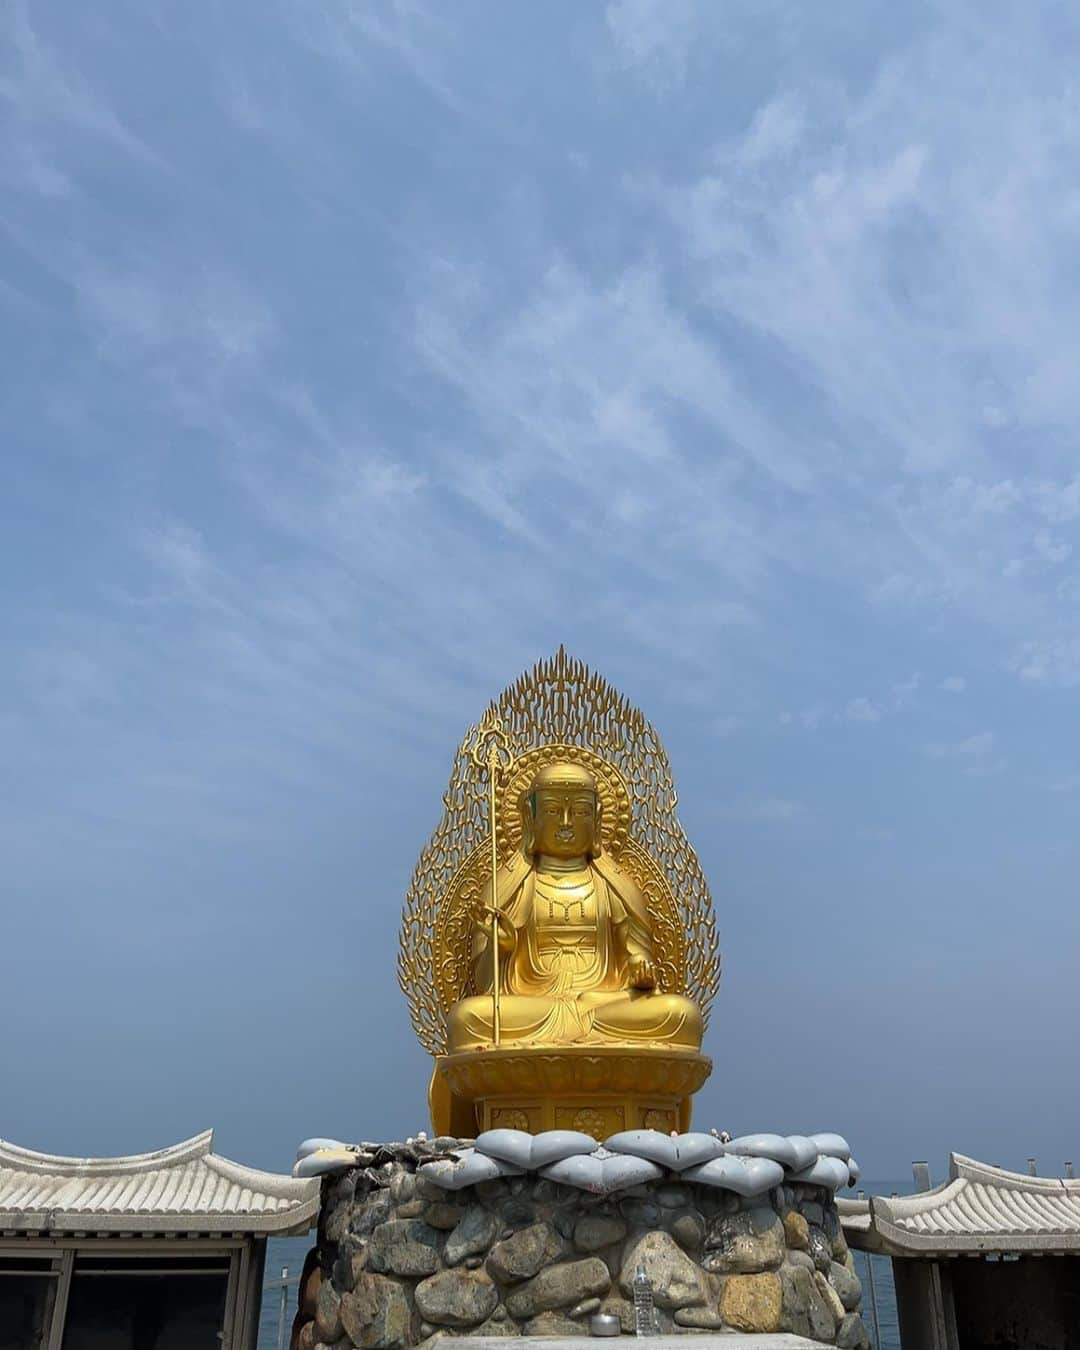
[575, 940]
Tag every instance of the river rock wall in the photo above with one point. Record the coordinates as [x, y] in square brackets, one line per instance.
[400, 1261]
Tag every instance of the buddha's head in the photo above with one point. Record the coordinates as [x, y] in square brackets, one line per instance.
[561, 813]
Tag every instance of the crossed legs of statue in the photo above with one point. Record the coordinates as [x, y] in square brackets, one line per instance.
[634, 1016]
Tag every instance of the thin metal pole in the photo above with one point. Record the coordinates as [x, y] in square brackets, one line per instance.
[873, 1300]
[496, 1019]
[284, 1308]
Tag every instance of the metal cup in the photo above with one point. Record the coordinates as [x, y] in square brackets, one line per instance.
[604, 1324]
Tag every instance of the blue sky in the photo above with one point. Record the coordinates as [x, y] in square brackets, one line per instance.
[357, 355]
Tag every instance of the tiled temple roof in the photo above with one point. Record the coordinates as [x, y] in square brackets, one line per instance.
[183, 1189]
[979, 1209]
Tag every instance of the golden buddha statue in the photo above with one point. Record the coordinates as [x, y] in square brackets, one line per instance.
[558, 944]
[576, 943]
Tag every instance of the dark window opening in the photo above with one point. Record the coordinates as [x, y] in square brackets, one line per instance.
[151, 1311]
[26, 1303]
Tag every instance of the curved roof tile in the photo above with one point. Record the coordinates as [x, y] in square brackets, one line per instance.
[185, 1188]
[979, 1209]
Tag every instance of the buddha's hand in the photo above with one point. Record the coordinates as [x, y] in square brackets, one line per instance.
[642, 975]
[506, 931]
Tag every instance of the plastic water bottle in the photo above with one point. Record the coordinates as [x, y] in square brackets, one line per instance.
[644, 1311]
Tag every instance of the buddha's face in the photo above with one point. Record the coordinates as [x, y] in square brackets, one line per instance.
[564, 820]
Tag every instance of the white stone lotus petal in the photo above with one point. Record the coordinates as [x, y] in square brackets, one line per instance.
[854, 1171]
[553, 1145]
[314, 1144]
[806, 1151]
[775, 1146]
[744, 1176]
[602, 1174]
[676, 1152]
[469, 1168]
[512, 1146]
[582, 1171]
[696, 1148]
[323, 1161]
[830, 1172]
[621, 1171]
[832, 1145]
[658, 1148]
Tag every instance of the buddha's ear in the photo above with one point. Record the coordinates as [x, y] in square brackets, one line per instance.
[598, 825]
[527, 809]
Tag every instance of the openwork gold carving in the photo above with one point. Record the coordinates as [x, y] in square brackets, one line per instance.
[561, 710]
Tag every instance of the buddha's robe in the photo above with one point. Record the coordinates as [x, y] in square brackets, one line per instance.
[578, 927]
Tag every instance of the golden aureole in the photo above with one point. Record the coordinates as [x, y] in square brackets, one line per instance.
[558, 944]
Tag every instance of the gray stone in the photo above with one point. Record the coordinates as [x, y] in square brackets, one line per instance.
[812, 1212]
[411, 1209]
[745, 1244]
[402, 1187]
[516, 1213]
[341, 1274]
[496, 1189]
[474, 1234]
[688, 1230]
[366, 1215]
[473, 1262]
[802, 1259]
[524, 1253]
[830, 1298]
[820, 1249]
[496, 1326]
[852, 1334]
[428, 1189]
[376, 1315]
[672, 1196]
[645, 1213]
[804, 1312]
[676, 1280]
[551, 1324]
[847, 1285]
[328, 1313]
[585, 1308]
[457, 1298]
[559, 1286]
[699, 1319]
[336, 1223]
[593, 1231]
[443, 1214]
[344, 1189]
[404, 1247]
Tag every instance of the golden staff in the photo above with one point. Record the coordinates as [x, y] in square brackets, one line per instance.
[491, 752]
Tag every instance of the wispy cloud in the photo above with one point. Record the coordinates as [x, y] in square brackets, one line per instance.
[45, 94]
[763, 811]
[978, 753]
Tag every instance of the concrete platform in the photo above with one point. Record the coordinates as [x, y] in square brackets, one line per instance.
[699, 1340]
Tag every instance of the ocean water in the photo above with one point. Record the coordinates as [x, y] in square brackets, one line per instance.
[290, 1253]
